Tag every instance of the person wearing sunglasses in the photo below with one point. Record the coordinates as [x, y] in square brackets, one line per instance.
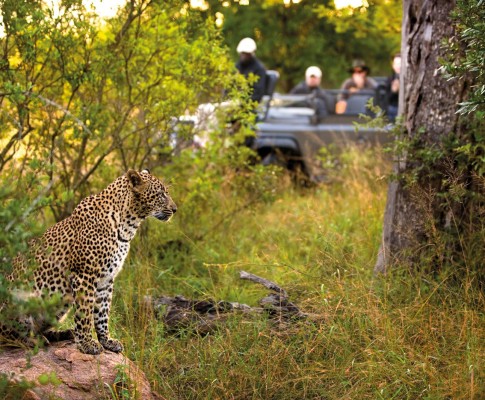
[358, 81]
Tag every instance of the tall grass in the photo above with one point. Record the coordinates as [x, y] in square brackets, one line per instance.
[403, 336]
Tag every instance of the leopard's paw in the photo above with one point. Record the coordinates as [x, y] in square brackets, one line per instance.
[113, 345]
[90, 347]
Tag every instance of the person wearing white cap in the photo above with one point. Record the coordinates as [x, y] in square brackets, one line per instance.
[311, 86]
[249, 64]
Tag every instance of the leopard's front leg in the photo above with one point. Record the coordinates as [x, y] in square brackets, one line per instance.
[102, 307]
[84, 294]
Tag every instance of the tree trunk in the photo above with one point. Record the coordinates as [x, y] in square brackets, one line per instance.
[428, 104]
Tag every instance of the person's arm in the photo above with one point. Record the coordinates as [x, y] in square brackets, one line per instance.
[371, 83]
[392, 90]
[328, 99]
[259, 85]
[345, 87]
[298, 89]
[341, 104]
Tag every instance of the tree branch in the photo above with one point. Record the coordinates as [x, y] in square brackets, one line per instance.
[266, 283]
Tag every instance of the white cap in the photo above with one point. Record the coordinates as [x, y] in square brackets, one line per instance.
[246, 45]
[313, 71]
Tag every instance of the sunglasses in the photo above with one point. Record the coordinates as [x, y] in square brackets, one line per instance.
[358, 71]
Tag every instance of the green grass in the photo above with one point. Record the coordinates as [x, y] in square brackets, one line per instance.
[404, 336]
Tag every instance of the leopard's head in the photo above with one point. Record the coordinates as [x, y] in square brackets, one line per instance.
[150, 196]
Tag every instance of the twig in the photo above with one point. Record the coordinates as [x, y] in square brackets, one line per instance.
[64, 110]
[31, 207]
[267, 284]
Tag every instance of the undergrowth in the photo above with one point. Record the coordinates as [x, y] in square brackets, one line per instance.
[408, 335]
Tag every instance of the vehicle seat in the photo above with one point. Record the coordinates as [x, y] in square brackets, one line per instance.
[356, 104]
[272, 77]
[330, 101]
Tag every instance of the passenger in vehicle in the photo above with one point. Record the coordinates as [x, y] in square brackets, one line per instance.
[311, 85]
[358, 81]
[392, 87]
[249, 64]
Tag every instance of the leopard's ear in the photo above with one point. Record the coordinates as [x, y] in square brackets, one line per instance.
[135, 180]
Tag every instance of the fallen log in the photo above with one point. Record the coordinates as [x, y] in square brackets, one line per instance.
[203, 316]
[276, 304]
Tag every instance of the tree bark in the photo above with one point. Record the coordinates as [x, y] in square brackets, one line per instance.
[428, 103]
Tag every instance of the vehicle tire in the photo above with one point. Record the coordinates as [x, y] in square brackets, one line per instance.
[299, 177]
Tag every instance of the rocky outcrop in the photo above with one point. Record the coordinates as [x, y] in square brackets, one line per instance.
[61, 371]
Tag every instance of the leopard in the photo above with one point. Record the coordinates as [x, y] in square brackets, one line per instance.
[78, 258]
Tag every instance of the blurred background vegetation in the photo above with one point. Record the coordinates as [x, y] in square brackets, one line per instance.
[82, 100]
[292, 35]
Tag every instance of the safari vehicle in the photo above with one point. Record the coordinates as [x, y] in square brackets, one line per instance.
[290, 135]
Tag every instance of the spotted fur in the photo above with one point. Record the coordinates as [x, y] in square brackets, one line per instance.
[80, 256]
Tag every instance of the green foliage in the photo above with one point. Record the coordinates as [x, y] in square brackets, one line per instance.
[122, 388]
[49, 379]
[465, 61]
[373, 19]
[222, 176]
[13, 390]
[17, 389]
[78, 94]
[468, 52]
[19, 200]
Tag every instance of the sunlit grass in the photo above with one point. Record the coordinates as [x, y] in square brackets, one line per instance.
[405, 336]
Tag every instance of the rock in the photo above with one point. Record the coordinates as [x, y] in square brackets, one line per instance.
[61, 371]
